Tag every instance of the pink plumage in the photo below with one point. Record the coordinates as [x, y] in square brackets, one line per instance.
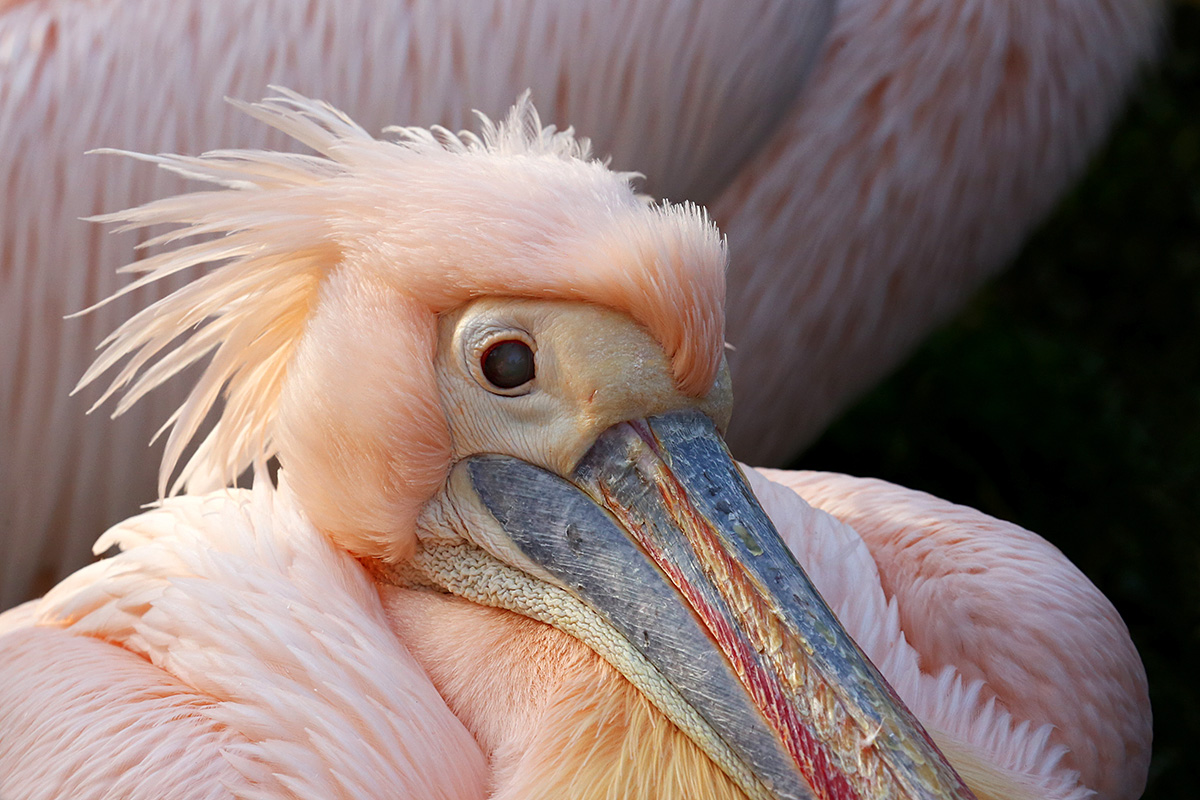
[291, 645]
[248, 623]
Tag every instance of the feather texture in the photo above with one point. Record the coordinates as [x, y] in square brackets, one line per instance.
[261, 636]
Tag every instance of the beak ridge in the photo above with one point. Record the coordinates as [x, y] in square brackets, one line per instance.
[583, 547]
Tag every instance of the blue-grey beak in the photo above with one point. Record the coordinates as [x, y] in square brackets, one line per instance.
[657, 531]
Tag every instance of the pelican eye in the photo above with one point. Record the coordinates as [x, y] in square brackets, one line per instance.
[508, 364]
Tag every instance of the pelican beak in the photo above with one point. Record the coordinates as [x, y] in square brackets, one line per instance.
[657, 531]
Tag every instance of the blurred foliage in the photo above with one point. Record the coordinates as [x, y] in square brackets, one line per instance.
[1066, 398]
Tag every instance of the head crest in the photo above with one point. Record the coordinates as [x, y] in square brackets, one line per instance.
[437, 217]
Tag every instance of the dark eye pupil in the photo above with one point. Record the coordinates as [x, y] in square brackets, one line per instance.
[507, 365]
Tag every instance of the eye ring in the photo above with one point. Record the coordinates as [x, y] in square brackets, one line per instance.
[504, 362]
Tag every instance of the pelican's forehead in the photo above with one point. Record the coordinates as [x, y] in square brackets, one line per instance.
[445, 227]
[466, 210]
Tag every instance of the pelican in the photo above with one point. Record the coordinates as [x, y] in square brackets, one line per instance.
[866, 202]
[507, 553]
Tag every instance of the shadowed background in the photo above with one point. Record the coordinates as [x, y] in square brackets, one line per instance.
[1066, 397]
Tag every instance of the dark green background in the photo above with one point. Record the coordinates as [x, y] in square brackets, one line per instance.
[1066, 397]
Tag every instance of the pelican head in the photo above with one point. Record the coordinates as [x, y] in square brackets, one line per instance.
[489, 367]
